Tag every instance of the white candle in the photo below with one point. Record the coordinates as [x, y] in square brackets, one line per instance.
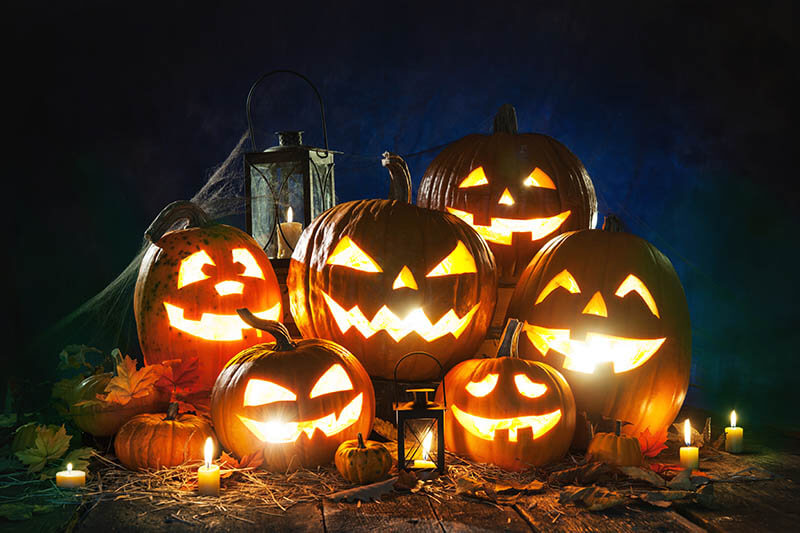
[208, 474]
[690, 455]
[734, 436]
[288, 235]
[425, 462]
[70, 479]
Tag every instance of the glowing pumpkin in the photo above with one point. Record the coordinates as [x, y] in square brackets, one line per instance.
[384, 278]
[607, 309]
[508, 411]
[191, 281]
[296, 401]
[516, 190]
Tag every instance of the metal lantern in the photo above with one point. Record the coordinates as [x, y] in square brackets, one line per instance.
[286, 186]
[420, 427]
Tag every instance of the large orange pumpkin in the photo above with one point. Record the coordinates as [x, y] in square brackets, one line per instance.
[384, 278]
[607, 309]
[191, 281]
[508, 411]
[517, 190]
[296, 401]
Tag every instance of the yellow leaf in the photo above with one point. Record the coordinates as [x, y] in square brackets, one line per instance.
[50, 444]
[130, 383]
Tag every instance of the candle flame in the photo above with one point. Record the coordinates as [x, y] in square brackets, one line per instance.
[69, 467]
[687, 432]
[427, 440]
[208, 451]
[733, 419]
[289, 214]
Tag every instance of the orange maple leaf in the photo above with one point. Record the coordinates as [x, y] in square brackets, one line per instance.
[179, 375]
[651, 444]
[130, 383]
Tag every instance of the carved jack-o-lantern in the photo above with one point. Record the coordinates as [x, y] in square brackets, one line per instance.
[607, 309]
[508, 411]
[384, 278]
[296, 401]
[191, 281]
[516, 190]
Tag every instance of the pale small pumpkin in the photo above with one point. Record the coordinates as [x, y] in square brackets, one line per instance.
[362, 462]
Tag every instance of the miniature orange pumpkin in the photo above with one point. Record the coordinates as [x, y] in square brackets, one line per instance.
[508, 411]
[615, 449]
[191, 281]
[296, 401]
[384, 278]
[516, 190]
[361, 463]
[607, 309]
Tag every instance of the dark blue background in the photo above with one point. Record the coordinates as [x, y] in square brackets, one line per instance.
[680, 112]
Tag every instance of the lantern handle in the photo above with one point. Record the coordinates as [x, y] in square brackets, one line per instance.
[179, 210]
[249, 107]
[441, 370]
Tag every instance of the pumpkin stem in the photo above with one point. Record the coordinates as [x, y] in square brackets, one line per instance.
[361, 444]
[172, 411]
[505, 121]
[509, 342]
[400, 186]
[618, 427]
[283, 341]
[613, 223]
[170, 215]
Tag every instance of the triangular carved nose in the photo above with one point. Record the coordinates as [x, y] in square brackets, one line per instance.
[596, 306]
[405, 279]
[506, 198]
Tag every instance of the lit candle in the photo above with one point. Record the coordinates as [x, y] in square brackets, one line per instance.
[690, 455]
[70, 479]
[288, 235]
[734, 437]
[425, 462]
[208, 474]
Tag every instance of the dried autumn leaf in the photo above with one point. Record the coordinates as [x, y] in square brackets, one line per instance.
[385, 429]
[228, 463]
[636, 472]
[179, 375]
[583, 474]
[594, 498]
[406, 480]
[365, 493]
[664, 498]
[130, 383]
[652, 444]
[50, 444]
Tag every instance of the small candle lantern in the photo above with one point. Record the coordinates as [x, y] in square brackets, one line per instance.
[690, 455]
[734, 436]
[420, 427]
[290, 175]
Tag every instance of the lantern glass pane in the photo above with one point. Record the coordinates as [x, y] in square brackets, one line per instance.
[322, 183]
[275, 185]
[421, 443]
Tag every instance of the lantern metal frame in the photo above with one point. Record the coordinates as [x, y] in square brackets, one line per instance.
[419, 408]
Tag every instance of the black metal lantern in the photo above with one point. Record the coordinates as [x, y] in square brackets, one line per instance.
[420, 426]
[286, 186]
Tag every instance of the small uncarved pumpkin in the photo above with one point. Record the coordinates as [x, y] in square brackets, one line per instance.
[362, 462]
[615, 449]
[153, 441]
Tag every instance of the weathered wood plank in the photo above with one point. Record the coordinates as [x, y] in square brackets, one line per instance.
[459, 515]
[395, 512]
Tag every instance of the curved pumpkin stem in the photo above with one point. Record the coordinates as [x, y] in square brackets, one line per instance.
[400, 187]
[361, 444]
[505, 121]
[613, 223]
[509, 342]
[283, 341]
[166, 219]
[172, 411]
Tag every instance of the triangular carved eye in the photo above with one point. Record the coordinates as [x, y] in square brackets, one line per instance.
[539, 178]
[528, 388]
[562, 279]
[191, 269]
[335, 379]
[251, 268]
[632, 283]
[483, 387]
[262, 392]
[459, 261]
[474, 179]
[348, 254]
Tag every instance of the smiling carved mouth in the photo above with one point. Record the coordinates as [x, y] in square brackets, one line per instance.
[582, 356]
[501, 230]
[396, 327]
[484, 428]
[216, 327]
[277, 432]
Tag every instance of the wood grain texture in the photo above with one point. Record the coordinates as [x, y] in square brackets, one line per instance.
[396, 512]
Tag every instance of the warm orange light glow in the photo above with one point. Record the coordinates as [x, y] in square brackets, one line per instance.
[279, 432]
[459, 261]
[427, 441]
[632, 283]
[225, 288]
[501, 229]
[475, 178]
[216, 327]
[397, 328]
[687, 433]
[348, 254]
[582, 356]
[208, 452]
[596, 306]
[191, 269]
[405, 279]
[251, 268]
[262, 392]
[539, 178]
[733, 419]
[484, 428]
[528, 388]
[506, 198]
[335, 379]
[562, 279]
[483, 387]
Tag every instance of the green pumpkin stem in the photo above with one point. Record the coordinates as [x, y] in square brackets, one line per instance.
[283, 341]
[505, 121]
[400, 185]
[170, 215]
[613, 223]
[509, 342]
[361, 444]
